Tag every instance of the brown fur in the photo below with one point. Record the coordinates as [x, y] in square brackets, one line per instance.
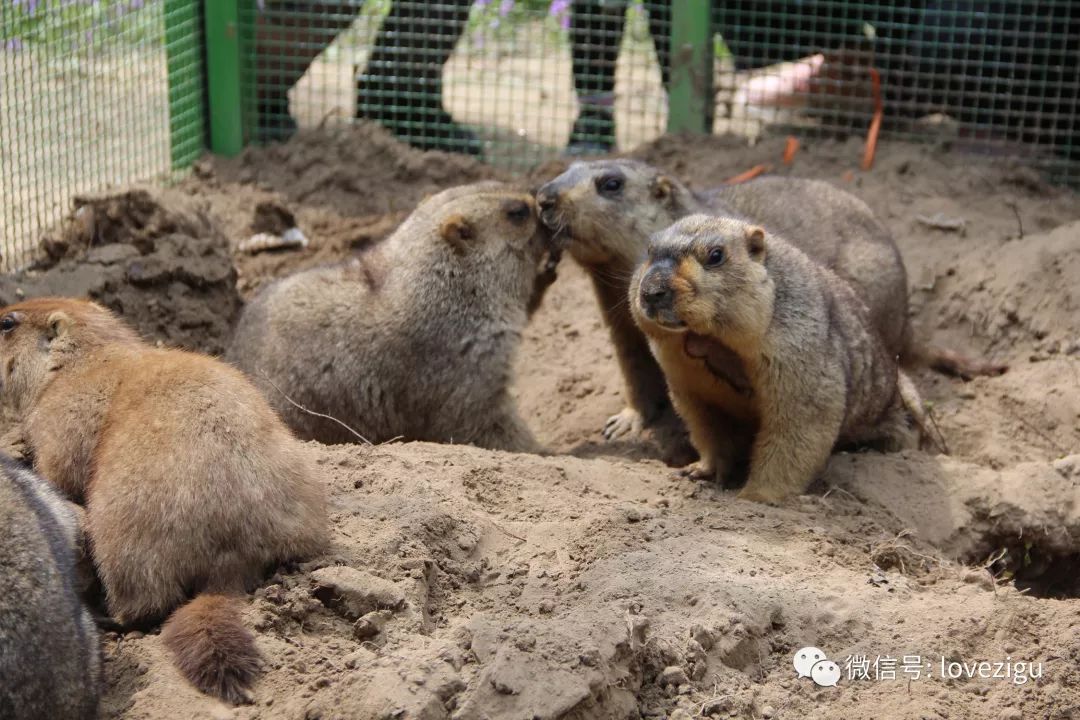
[212, 648]
[424, 353]
[608, 232]
[191, 483]
[817, 374]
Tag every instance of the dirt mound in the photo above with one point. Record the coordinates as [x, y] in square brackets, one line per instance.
[156, 257]
[354, 170]
[590, 582]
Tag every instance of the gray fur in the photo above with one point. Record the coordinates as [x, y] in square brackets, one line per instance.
[609, 236]
[414, 340]
[50, 658]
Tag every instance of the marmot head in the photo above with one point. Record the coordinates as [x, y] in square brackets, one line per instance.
[486, 233]
[606, 210]
[706, 275]
[39, 337]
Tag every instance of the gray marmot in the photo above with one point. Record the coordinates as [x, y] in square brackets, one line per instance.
[607, 209]
[50, 654]
[413, 340]
[765, 349]
[192, 486]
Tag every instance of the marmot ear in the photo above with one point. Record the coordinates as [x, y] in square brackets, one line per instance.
[755, 243]
[457, 231]
[662, 187]
[57, 325]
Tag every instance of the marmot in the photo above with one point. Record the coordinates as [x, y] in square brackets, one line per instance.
[759, 341]
[50, 654]
[192, 486]
[413, 340]
[608, 209]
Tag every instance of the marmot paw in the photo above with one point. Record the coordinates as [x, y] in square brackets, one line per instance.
[699, 470]
[626, 422]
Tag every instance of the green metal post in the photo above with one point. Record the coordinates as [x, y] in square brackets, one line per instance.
[223, 74]
[690, 97]
[183, 52]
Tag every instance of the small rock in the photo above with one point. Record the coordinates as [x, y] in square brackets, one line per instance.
[717, 706]
[369, 626]
[703, 637]
[590, 657]
[355, 593]
[673, 675]
[768, 711]
[546, 607]
[680, 714]
[978, 577]
[1010, 714]
[1068, 466]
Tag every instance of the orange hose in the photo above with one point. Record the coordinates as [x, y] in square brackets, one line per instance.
[875, 123]
[749, 174]
[790, 149]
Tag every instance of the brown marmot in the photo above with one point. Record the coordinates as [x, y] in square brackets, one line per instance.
[762, 345]
[607, 209]
[192, 485]
[413, 340]
[50, 654]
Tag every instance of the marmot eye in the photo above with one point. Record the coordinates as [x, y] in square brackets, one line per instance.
[519, 212]
[609, 184]
[8, 323]
[716, 257]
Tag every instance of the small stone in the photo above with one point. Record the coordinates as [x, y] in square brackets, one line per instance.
[1068, 466]
[717, 706]
[134, 635]
[354, 593]
[768, 711]
[703, 637]
[1010, 714]
[680, 714]
[369, 626]
[546, 607]
[590, 657]
[673, 675]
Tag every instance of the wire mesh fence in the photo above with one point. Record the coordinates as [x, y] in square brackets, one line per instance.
[92, 94]
[100, 92]
[510, 81]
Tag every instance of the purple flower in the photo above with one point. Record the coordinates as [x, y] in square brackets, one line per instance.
[560, 9]
[482, 3]
[28, 6]
[505, 7]
[136, 4]
[13, 44]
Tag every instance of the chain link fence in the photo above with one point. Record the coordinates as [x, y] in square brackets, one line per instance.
[92, 94]
[96, 93]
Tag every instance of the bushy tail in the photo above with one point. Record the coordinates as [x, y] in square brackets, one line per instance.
[212, 648]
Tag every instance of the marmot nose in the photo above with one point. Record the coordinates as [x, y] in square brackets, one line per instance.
[546, 199]
[656, 292]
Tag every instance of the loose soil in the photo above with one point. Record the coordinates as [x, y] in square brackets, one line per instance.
[589, 582]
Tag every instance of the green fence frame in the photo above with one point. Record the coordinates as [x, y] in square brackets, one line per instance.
[690, 97]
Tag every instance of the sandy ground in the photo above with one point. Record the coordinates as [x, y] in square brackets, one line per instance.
[591, 583]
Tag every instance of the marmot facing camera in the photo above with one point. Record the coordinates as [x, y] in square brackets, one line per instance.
[765, 351]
